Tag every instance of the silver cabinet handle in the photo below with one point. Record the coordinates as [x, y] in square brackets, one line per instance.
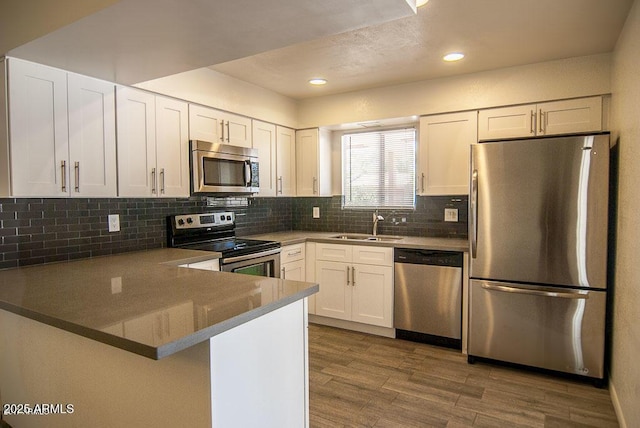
[533, 122]
[63, 172]
[541, 121]
[153, 180]
[228, 141]
[422, 182]
[353, 276]
[77, 176]
[348, 270]
[545, 293]
[282, 275]
[222, 131]
[162, 180]
[295, 253]
[280, 182]
[315, 181]
[474, 213]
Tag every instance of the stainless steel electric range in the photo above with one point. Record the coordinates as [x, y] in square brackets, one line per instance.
[216, 232]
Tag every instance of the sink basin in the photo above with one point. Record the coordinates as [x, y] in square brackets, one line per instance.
[363, 237]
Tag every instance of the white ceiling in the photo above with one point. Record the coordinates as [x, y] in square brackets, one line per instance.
[492, 33]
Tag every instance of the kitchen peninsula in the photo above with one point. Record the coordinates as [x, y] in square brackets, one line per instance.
[136, 340]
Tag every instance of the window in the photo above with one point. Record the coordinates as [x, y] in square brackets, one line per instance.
[378, 169]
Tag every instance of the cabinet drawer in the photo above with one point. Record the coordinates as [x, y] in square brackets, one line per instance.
[292, 253]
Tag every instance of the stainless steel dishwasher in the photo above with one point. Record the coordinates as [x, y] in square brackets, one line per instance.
[428, 296]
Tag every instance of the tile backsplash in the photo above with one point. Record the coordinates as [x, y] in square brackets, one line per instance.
[426, 220]
[44, 230]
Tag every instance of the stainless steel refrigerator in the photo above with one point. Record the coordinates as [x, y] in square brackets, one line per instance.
[538, 226]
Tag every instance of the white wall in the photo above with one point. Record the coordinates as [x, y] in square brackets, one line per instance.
[568, 78]
[209, 87]
[625, 114]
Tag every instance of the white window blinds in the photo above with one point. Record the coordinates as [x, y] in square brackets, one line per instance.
[378, 169]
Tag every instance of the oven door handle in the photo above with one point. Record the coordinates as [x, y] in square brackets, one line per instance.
[249, 256]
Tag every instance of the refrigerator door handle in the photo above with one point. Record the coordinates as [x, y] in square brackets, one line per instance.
[474, 213]
[546, 293]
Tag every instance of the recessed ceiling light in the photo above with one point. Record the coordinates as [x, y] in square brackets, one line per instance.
[454, 56]
[421, 2]
[318, 81]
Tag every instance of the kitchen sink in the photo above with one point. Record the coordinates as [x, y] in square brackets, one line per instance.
[368, 238]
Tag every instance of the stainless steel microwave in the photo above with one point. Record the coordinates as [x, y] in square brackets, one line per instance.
[223, 169]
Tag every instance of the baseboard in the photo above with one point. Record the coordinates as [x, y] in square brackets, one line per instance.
[355, 326]
[616, 404]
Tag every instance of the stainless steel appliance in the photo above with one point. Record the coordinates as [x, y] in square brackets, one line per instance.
[223, 169]
[216, 232]
[428, 296]
[538, 233]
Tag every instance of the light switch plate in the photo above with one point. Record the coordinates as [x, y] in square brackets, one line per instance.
[451, 214]
[114, 222]
[316, 212]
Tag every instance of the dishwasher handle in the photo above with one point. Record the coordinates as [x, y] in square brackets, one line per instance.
[428, 257]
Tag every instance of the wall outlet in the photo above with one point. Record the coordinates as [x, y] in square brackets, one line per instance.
[316, 212]
[114, 222]
[450, 214]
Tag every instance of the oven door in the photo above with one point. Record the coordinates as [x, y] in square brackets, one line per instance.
[222, 172]
[266, 263]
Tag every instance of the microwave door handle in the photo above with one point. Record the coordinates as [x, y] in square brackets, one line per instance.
[247, 173]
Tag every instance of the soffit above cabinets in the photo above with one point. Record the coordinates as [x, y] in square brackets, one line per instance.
[131, 41]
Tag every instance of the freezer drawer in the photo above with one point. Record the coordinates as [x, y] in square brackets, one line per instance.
[548, 327]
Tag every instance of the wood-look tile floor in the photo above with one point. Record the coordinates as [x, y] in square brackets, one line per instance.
[360, 380]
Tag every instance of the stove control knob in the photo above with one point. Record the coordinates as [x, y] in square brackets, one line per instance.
[229, 217]
[181, 222]
[189, 220]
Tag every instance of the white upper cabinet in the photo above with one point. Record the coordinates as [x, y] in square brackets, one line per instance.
[215, 126]
[443, 153]
[136, 143]
[172, 147]
[152, 145]
[313, 162]
[92, 136]
[285, 161]
[550, 118]
[62, 129]
[264, 140]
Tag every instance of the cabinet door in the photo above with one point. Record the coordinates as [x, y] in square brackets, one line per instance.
[285, 161]
[237, 130]
[334, 252]
[264, 139]
[570, 116]
[307, 162]
[137, 174]
[443, 166]
[38, 127]
[172, 147]
[92, 137]
[372, 288]
[507, 122]
[381, 256]
[205, 124]
[334, 298]
[293, 270]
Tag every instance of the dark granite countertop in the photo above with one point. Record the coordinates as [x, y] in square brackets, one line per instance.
[143, 302]
[298, 236]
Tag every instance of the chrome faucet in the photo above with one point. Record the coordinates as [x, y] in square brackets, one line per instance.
[376, 219]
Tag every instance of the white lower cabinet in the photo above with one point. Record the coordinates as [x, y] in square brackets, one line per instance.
[292, 262]
[356, 283]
